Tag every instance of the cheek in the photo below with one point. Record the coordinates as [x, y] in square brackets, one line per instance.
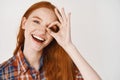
[29, 25]
[26, 34]
[29, 28]
[28, 31]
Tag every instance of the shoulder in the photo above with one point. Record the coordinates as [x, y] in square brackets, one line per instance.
[7, 67]
[7, 63]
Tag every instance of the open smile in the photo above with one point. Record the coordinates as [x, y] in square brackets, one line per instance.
[38, 38]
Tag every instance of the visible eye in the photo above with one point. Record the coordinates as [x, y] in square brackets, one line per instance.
[54, 29]
[36, 21]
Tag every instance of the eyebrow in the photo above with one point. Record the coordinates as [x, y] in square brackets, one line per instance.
[37, 17]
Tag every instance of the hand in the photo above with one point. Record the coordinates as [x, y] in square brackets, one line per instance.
[63, 36]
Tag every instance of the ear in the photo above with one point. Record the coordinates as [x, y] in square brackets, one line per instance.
[23, 22]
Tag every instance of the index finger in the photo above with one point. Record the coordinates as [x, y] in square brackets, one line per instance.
[58, 15]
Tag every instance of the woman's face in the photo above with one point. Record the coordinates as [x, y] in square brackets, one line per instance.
[36, 35]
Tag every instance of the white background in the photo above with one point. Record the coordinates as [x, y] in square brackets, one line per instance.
[95, 31]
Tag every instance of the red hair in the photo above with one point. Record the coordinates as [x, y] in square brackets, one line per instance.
[57, 64]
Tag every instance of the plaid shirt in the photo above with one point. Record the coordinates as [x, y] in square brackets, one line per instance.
[17, 68]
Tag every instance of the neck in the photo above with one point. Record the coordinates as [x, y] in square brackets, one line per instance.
[33, 57]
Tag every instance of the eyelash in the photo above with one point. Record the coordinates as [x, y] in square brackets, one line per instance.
[36, 21]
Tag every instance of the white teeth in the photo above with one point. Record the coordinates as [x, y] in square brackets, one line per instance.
[38, 38]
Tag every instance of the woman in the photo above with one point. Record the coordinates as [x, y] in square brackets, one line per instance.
[44, 48]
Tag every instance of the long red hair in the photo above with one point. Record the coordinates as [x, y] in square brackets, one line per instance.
[57, 64]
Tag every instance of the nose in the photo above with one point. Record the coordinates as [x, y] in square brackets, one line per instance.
[43, 29]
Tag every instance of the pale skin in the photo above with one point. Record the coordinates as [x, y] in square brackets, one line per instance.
[63, 37]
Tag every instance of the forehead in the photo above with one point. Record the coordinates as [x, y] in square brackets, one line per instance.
[45, 14]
